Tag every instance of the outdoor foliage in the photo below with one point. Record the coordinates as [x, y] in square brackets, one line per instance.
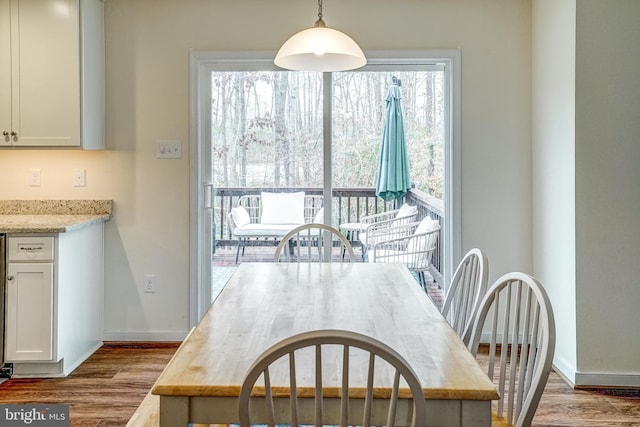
[267, 128]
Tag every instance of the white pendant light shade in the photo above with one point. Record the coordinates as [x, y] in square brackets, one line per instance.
[320, 49]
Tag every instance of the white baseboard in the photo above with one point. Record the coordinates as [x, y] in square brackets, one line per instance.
[589, 379]
[70, 366]
[59, 369]
[596, 379]
[566, 371]
[145, 336]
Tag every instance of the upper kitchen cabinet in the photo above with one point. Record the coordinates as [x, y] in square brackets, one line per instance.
[52, 73]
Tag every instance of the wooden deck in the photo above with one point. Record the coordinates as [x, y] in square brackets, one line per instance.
[224, 264]
[226, 255]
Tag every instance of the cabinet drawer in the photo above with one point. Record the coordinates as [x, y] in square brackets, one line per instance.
[30, 248]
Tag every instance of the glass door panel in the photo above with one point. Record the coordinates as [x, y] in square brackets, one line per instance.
[266, 135]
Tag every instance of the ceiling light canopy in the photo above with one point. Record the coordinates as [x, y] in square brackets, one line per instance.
[320, 49]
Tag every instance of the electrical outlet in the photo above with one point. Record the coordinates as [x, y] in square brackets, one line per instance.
[34, 178]
[149, 283]
[79, 177]
[169, 150]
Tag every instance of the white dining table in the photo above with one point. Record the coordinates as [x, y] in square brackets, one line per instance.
[265, 302]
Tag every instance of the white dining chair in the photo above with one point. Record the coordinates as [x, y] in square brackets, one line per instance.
[313, 242]
[521, 337]
[467, 287]
[333, 350]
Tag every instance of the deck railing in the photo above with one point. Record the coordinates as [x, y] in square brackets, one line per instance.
[349, 205]
[434, 208]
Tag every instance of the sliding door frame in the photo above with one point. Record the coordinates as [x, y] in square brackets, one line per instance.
[201, 66]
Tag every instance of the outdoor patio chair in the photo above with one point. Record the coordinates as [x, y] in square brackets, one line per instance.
[331, 349]
[521, 335]
[314, 242]
[371, 225]
[465, 292]
[410, 244]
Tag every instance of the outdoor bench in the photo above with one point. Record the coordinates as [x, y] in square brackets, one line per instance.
[270, 216]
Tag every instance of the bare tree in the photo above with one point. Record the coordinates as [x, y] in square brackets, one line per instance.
[268, 127]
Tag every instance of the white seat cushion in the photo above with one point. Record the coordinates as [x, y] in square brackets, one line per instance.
[264, 230]
[406, 210]
[240, 216]
[282, 208]
[319, 218]
[427, 224]
[422, 243]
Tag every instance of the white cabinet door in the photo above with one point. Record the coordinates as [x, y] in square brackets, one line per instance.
[52, 73]
[45, 48]
[5, 74]
[29, 314]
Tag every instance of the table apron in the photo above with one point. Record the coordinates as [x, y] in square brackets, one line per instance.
[180, 410]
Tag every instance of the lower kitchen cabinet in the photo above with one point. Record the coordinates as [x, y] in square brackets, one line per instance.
[54, 304]
[29, 329]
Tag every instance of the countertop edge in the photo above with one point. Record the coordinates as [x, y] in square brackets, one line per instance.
[15, 224]
[56, 207]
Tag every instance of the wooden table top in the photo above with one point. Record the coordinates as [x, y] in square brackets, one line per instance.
[266, 302]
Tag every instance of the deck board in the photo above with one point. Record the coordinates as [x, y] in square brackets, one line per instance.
[224, 264]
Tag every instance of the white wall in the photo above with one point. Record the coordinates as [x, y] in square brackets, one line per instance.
[148, 44]
[553, 154]
[607, 191]
[586, 170]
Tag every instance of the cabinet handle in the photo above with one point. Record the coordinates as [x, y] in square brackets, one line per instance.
[10, 278]
[30, 249]
[14, 135]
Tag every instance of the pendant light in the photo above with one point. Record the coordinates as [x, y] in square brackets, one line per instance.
[320, 49]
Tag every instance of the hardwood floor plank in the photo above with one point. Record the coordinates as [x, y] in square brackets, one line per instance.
[106, 390]
[561, 405]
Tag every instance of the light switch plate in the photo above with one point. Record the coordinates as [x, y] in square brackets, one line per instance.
[169, 149]
[34, 178]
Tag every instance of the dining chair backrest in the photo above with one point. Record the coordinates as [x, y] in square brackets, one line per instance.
[331, 350]
[521, 344]
[465, 292]
[313, 242]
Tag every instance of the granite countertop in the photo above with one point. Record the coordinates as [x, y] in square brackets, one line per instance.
[51, 216]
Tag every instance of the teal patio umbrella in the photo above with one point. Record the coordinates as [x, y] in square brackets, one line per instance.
[393, 180]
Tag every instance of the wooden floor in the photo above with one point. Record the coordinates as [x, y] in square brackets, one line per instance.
[107, 388]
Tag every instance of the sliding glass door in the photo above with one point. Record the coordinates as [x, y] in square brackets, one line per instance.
[259, 128]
